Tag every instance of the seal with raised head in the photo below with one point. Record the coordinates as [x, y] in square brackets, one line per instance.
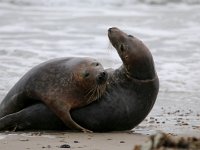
[62, 84]
[130, 94]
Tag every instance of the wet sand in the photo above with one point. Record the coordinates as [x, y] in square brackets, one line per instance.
[126, 140]
[177, 123]
[70, 140]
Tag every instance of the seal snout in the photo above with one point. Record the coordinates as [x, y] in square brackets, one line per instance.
[102, 77]
[113, 29]
[109, 30]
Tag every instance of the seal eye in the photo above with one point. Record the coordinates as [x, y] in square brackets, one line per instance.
[130, 36]
[97, 64]
[86, 74]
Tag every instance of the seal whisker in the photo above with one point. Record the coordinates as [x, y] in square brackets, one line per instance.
[92, 96]
[100, 90]
[96, 93]
[89, 91]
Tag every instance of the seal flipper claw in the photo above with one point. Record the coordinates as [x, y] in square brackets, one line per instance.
[87, 131]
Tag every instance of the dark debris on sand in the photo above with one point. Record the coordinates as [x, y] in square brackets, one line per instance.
[65, 146]
[162, 141]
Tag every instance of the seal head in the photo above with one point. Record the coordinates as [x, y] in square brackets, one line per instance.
[136, 57]
[87, 81]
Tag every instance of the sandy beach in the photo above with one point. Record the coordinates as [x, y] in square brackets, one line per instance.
[70, 140]
[74, 140]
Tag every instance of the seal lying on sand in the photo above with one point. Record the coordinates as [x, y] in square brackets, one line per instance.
[62, 84]
[130, 94]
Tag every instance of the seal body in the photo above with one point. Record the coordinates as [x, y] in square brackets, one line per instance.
[62, 84]
[130, 94]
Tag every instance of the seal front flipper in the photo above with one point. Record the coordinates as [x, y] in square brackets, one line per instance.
[72, 124]
[62, 110]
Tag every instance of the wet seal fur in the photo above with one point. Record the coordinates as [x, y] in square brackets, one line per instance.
[62, 84]
[130, 94]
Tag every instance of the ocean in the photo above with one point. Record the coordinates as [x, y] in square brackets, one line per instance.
[33, 31]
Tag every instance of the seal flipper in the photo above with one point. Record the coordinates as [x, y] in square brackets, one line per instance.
[14, 102]
[9, 122]
[72, 124]
[27, 119]
[62, 110]
[8, 104]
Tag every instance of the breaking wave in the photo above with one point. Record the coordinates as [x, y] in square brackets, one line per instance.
[96, 3]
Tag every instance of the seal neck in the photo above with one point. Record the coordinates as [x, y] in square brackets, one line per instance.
[139, 76]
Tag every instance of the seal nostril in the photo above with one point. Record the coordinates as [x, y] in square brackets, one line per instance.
[102, 77]
[109, 30]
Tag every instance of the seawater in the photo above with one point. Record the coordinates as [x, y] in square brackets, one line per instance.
[33, 31]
